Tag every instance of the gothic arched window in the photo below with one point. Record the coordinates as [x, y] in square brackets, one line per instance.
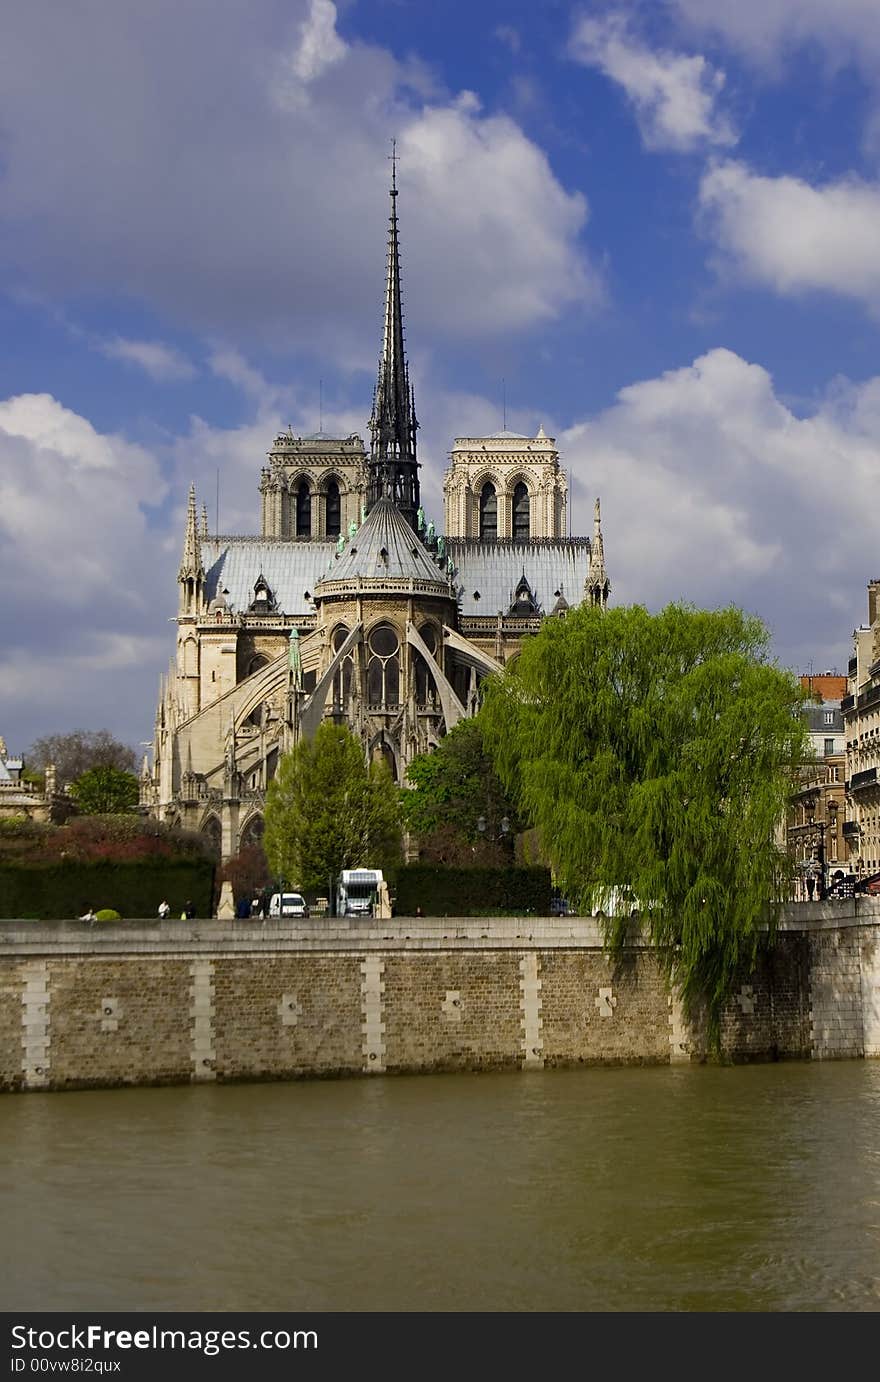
[334, 510]
[304, 510]
[488, 513]
[342, 678]
[383, 668]
[424, 679]
[521, 530]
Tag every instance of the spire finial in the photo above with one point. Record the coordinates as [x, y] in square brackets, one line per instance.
[598, 586]
[393, 157]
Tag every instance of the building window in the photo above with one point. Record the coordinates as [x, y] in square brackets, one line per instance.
[334, 510]
[829, 747]
[424, 679]
[829, 717]
[488, 513]
[304, 510]
[383, 668]
[520, 513]
[342, 678]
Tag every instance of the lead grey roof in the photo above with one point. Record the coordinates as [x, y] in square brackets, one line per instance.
[492, 571]
[816, 721]
[386, 547]
[291, 569]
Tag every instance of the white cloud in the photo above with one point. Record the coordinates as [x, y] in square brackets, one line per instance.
[161, 362]
[320, 46]
[269, 218]
[713, 491]
[768, 30]
[674, 95]
[77, 569]
[793, 237]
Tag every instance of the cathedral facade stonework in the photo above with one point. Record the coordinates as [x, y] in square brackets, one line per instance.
[350, 606]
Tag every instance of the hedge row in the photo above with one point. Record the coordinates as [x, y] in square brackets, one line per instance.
[460, 892]
[134, 889]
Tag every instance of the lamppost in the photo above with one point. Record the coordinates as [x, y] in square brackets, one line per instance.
[503, 829]
[819, 827]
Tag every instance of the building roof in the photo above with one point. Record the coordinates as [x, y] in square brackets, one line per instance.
[386, 548]
[487, 574]
[290, 568]
[817, 723]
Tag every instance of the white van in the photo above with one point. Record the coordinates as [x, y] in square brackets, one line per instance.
[357, 892]
[288, 905]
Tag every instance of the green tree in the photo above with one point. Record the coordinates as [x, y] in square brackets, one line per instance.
[453, 787]
[656, 756]
[105, 791]
[326, 811]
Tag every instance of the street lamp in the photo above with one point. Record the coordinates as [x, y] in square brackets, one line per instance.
[819, 827]
[504, 829]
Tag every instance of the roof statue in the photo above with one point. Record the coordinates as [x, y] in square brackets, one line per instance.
[294, 661]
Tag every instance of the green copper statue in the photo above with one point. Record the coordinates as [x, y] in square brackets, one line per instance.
[294, 660]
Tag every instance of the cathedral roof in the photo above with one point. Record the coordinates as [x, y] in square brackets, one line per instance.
[487, 573]
[289, 568]
[386, 548]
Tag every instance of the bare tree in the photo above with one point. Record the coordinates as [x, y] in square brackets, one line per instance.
[78, 751]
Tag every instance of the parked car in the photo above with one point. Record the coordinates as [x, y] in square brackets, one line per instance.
[288, 905]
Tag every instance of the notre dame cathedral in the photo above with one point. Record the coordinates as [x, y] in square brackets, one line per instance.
[350, 606]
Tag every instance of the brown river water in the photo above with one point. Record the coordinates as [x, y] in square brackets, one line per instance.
[754, 1188]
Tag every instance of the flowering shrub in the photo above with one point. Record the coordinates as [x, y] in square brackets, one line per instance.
[111, 839]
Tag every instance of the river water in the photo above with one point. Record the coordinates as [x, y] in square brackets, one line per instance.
[751, 1188]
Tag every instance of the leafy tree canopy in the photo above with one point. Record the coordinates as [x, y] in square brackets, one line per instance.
[75, 753]
[105, 791]
[456, 785]
[326, 811]
[655, 754]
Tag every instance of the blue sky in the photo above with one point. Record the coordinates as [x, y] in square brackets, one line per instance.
[654, 226]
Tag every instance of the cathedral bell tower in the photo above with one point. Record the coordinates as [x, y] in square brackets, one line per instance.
[393, 468]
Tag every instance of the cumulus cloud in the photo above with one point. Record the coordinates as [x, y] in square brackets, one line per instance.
[674, 95]
[161, 362]
[319, 44]
[228, 167]
[77, 567]
[709, 487]
[767, 30]
[793, 237]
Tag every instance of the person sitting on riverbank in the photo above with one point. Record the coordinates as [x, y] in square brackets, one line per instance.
[89, 916]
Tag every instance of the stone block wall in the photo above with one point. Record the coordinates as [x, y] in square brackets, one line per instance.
[837, 1029]
[152, 1004]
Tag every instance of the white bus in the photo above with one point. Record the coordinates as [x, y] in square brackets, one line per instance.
[357, 892]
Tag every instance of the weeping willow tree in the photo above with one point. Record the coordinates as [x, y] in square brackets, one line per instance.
[656, 755]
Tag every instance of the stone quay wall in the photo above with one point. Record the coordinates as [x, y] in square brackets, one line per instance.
[178, 1002]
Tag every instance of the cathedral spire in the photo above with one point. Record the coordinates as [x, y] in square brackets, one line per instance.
[191, 575]
[597, 586]
[393, 469]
